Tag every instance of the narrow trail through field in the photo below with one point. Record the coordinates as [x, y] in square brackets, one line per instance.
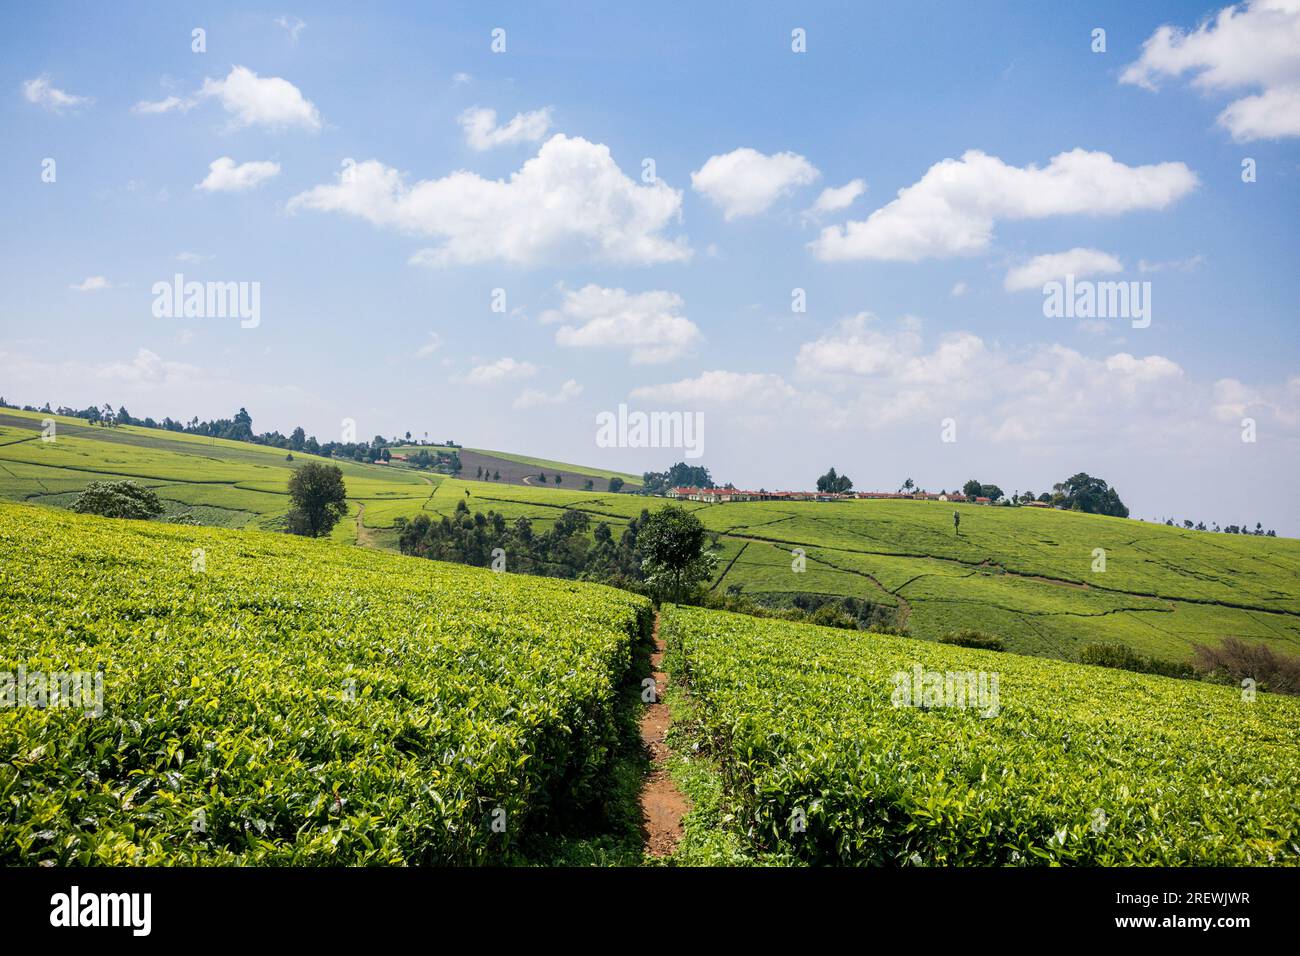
[365, 536]
[662, 804]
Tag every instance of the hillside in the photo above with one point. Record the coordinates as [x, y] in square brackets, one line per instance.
[268, 699]
[1023, 574]
[826, 750]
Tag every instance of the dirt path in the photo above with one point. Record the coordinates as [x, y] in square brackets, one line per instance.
[365, 536]
[662, 804]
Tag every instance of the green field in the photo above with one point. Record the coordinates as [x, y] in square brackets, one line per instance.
[288, 701]
[546, 463]
[819, 759]
[1023, 574]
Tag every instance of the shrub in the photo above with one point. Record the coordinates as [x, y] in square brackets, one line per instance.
[973, 638]
[1234, 660]
[118, 499]
[1122, 657]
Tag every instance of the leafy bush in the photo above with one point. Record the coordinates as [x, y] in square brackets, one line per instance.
[118, 499]
[973, 638]
[298, 702]
[1234, 660]
[1076, 766]
[1123, 657]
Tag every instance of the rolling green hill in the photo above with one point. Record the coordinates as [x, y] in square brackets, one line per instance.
[1024, 574]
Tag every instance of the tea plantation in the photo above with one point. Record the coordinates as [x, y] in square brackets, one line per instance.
[823, 761]
[272, 700]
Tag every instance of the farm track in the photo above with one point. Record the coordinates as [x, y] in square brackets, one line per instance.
[730, 564]
[662, 804]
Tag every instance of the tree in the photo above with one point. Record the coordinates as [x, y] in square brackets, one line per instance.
[1082, 492]
[588, 485]
[616, 484]
[972, 489]
[674, 559]
[319, 499]
[118, 499]
[680, 475]
[991, 492]
[908, 485]
[496, 475]
[832, 483]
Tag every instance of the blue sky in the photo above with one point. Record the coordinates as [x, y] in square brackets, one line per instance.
[376, 285]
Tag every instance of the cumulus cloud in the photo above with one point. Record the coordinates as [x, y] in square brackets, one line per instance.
[952, 209]
[532, 397]
[569, 202]
[251, 100]
[92, 284]
[1254, 46]
[147, 368]
[837, 198]
[649, 324]
[720, 385]
[268, 101]
[482, 131]
[40, 92]
[745, 182]
[1078, 262]
[225, 176]
[502, 370]
[1044, 394]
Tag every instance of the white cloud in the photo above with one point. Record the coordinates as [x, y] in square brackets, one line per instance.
[166, 105]
[268, 101]
[225, 176]
[193, 258]
[745, 182]
[40, 92]
[431, 345]
[1078, 262]
[532, 397]
[1254, 46]
[291, 25]
[836, 198]
[720, 386]
[461, 79]
[959, 289]
[1189, 264]
[952, 209]
[92, 284]
[482, 131]
[650, 324]
[147, 368]
[568, 203]
[502, 370]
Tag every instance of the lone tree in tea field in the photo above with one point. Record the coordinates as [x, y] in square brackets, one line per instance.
[674, 559]
[319, 499]
[118, 499]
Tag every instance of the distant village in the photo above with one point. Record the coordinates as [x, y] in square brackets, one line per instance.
[721, 495]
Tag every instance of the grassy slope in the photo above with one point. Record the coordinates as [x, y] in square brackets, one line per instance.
[1075, 764]
[319, 704]
[546, 463]
[1025, 574]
